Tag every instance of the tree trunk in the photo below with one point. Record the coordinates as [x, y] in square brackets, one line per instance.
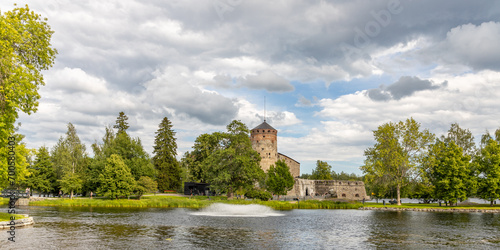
[71, 194]
[491, 203]
[399, 194]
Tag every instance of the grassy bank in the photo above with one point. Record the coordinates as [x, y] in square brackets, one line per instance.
[6, 216]
[4, 201]
[196, 202]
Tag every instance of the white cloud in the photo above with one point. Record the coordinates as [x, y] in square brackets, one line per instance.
[473, 45]
[173, 88]
[267, 80]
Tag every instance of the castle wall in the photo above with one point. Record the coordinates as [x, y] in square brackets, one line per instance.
[292, 164]
[348, 190]
[302, 187]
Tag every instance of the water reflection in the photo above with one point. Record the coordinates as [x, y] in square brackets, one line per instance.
[156, 228]
[430, 230]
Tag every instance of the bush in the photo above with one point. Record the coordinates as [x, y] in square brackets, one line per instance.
[258, 194]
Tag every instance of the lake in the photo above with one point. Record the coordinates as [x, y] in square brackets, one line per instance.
[161, 228]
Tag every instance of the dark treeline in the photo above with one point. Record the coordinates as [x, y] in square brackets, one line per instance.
[324, 171]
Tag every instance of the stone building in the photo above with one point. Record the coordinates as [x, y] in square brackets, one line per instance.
[264, 140]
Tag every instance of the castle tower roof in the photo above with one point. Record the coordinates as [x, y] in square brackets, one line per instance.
[264, 125]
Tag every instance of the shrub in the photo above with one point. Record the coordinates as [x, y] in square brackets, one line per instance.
[258, 194]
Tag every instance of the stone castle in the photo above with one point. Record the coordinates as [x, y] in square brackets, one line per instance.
[264, 140]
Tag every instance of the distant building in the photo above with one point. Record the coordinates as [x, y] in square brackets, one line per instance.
[264, 140]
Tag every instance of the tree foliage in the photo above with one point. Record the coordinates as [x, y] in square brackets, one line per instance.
[462, 137]
[323, 171]
[129, 149]
[69, 159]
[226, 160]
[42, 175]
[21, 154]
[121, 123]
[488, 167]
[145, 185]
[25, 51]
[116, 179]
[450, 172]
[279, 179]
[398, 150]
[164, 159]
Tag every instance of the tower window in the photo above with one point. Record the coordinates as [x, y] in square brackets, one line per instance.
[269, 131]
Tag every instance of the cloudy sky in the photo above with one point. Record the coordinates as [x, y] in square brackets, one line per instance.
[331, 71]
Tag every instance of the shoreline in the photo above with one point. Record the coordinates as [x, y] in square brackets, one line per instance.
[19, 222]
[449, 210]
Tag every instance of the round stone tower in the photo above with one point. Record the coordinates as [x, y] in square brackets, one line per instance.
[265, 141]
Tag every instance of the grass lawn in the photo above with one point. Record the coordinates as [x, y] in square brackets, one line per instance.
[6, 216]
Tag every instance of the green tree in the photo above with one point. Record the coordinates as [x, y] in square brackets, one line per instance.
[22, 154]
[145, 185]
[488, 166]
[164, 159]
[96, 165]
[323, 171]
[42, 174]
[121, 123]
[226, 160]
[116, 179]
[305, 176]
[398, 150]
[279, 179]
[130, 150]
[204, 146]
[450, 172]
[25, 51]
[69, 158]
[462, 137]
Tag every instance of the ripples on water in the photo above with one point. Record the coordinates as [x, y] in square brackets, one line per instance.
[134, 228]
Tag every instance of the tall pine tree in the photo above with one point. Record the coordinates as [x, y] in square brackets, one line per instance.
[164, 160]
[121, 123]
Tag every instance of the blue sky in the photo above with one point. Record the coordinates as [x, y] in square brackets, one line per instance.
[331, 71]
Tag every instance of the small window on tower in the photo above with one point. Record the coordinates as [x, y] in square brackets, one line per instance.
[262, 148]
[269, 131]
[264, 136]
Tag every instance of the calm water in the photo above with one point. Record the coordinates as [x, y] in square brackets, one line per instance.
[110, 228]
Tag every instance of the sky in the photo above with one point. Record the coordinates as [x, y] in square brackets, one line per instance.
[326, 73]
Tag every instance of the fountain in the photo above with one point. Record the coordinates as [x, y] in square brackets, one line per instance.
[230, 210]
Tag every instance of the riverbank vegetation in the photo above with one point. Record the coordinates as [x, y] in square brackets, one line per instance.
[195, 202]
[467, 205]
[412, 161]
